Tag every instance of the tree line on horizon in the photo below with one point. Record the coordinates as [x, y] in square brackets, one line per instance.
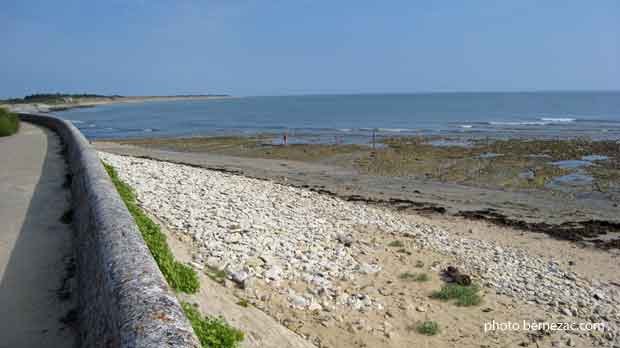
[54, 97]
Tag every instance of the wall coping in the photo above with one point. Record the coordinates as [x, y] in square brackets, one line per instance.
[124, 300]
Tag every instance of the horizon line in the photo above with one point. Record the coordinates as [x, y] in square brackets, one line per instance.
[105, 95]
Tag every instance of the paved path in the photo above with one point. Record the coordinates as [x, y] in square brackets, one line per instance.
[35, 247]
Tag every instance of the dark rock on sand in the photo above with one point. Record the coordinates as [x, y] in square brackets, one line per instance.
[453, 275]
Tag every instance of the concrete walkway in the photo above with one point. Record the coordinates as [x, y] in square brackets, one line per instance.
[35, 246]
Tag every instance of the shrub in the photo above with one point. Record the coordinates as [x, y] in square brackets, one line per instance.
[9, 123]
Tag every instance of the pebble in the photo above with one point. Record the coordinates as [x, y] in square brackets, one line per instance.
[298, 301]
[301, 235]
[240, 278]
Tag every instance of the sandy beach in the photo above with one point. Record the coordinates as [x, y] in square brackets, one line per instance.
[98, 101]
[427, 179]
[346, 274]
[287, 174]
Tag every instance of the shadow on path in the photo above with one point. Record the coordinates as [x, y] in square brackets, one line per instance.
[35, 246]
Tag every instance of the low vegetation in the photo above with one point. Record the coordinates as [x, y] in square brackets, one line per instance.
[212, 332]
[9, 123]
[396, 244]
[243, 303]
[416, 277]
[464, 296]
[54, 98]
[428, 328]
[180, 277]
[217, 275]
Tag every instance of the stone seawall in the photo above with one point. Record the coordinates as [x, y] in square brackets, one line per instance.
[124, 300]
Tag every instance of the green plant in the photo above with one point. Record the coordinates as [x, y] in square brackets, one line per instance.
[9, 123]
[243, 302]
[464, 295]
[179, 276]
[416, 277]
[396, 244]
[429, 328]
[216, 275]
[212, 332]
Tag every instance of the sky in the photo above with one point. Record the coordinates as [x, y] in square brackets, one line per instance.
[158, 47]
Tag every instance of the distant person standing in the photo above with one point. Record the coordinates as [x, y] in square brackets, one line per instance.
[285, 138]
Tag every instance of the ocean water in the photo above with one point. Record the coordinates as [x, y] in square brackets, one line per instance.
[352, 118]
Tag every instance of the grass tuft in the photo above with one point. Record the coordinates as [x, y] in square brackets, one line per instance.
[428, 328]
[217, 275]
[465, 296]
[212, 332]
[179, 276]
[9, 123]
[243, 303]
[396, 244]
[416, 277]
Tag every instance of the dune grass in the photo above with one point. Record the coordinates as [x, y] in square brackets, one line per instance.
[212, 332]
[179, 276]
[465, 296]
[428, 328]
[243, 303]
[9, 123]
[396, 244]
[217, 275]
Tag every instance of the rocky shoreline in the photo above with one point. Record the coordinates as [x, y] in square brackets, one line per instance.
[262, 232]
[583, 220]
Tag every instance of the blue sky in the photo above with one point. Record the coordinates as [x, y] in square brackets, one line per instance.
[141, 47]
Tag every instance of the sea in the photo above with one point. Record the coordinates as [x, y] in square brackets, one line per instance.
[359, 118]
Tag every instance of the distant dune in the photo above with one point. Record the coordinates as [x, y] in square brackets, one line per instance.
[48, 103]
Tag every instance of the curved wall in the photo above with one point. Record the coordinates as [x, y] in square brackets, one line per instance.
[124, 299]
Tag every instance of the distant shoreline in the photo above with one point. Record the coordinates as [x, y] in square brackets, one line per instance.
[98, 101]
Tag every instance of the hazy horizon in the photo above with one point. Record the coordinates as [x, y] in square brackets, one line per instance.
[331, 94]
[308, 48]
